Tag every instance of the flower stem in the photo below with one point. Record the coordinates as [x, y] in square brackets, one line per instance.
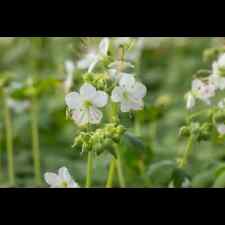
[120, 169]
[109, 183]
[89, 169]
[9, 142]
[1, 156]
[183, 161]
[35, 141]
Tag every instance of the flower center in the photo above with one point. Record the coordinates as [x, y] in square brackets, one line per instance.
[64, 184]
[126, 95]
[87, 104]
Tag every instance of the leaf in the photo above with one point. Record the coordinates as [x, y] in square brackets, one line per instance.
[133, 142]
[220, 181]
[160, 173]
[203, 180]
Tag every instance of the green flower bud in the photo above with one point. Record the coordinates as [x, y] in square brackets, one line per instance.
[184, 132]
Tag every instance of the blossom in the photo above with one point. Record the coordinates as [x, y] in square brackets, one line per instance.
[221, 128]
[129, 94]
[69, 67]
[217, 81]
[18, 106]
[190, 101]
[203, 91]
[94, 56]
[84, 105]
[219, 66]
[61, 180]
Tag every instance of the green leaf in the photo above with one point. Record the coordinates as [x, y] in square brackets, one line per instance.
[160, 173]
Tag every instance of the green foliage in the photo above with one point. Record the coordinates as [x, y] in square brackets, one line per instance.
[150, 143]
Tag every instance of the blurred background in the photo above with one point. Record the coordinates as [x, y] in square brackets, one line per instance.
[164, 65]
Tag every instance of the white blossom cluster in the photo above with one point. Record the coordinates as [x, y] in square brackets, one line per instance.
[85, 105]
[206, 88]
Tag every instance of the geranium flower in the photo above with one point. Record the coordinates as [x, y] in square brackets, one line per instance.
[203, 91]
[84, 105]
[61, 180]
[217, 81]
[129, 94]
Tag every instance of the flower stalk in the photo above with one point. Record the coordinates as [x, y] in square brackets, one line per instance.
[183, 161]
[9, 142]
[35, 140]
[89, 170]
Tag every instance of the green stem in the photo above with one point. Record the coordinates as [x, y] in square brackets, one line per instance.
[89, 170]
[109, 183]
[0, 155]
[120, 169]
[183, 161]
[35, 141]
[9, 143]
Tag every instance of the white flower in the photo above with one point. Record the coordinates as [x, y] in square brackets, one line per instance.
[217, 81]
[61, 180]
[68, 83]
[84, 105]
[129, 94]
[94, 56]
[203, 91]
[219, 66]
[190, 101]
[18, 106]
[221, 128]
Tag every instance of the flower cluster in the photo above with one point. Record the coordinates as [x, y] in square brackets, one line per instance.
[123, 89]
[101, 139]
[207, 87]
[107, 83]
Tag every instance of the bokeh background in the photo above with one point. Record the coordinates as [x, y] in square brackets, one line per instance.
[165, 66]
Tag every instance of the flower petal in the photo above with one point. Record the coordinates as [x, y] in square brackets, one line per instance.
[73, 100]
[139, 91]
[137, 105]
[104, 46]
[88, 91]
[64, 174]
[101, 99]
[95, 115]
[73, 184]
[127, 81]
[80, 117]
[52, 179]
[117, 94]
